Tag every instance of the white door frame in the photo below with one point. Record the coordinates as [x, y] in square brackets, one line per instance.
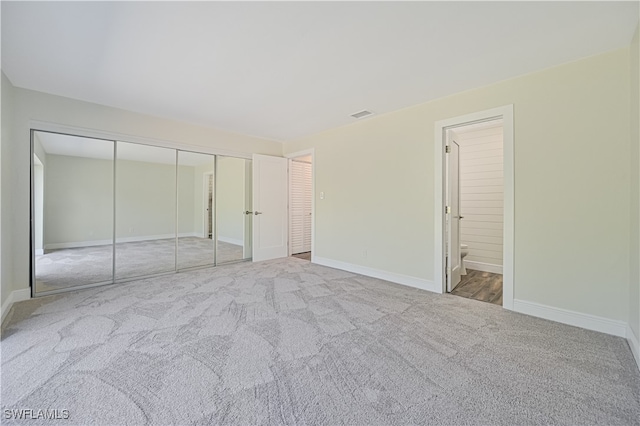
[205, 202]
[506, 113]
[303, 153]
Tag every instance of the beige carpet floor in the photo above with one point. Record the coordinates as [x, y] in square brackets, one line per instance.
[290, 342]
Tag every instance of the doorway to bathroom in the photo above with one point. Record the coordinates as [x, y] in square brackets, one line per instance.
[475, 201]
[475, 204]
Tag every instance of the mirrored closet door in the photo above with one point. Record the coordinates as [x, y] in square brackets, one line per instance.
[234, 212]
[106, 211]
[145, 210]
[72, 211]
[196, 210]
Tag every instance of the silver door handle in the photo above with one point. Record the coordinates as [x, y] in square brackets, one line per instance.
[257, 213]
[248, 212]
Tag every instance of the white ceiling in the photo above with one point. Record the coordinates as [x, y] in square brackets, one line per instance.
[289, 69]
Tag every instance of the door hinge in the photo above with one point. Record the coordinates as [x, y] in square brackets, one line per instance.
[447, 149]
[447, 210]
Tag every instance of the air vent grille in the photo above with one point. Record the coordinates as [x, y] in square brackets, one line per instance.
[361, 114]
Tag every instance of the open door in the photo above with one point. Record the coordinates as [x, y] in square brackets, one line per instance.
[453, 215]
[270, 193]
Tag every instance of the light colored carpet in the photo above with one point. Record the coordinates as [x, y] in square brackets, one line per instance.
[290, 342]
[73, 267]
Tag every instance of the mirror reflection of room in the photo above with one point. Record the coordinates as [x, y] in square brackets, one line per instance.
[233, 209]
[164, 209]
[72, 211]
[196, 209]
[145, 210]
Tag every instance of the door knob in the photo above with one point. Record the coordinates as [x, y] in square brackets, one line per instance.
[257, 213]
[248, 212]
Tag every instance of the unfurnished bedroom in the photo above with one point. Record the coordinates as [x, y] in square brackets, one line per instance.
[320, 213]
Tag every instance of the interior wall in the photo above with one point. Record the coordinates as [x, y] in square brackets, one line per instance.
[36, 107]
[634, 251]
[571, 165]
[230, 200]
[482, 197]
[6, 193]
[79, 201]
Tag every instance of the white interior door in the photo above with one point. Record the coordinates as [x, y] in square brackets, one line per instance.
[270, 197]
[453, 215]
[300, 201]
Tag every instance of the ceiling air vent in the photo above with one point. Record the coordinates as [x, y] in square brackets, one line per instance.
[361, 114]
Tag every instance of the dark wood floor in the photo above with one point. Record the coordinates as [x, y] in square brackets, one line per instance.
[305, 256]
[483, 286]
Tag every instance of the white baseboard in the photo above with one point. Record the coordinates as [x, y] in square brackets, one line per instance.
[39, 252]
[78, 244]
[634, 344]
[377, 273]
[577, 319]
[484, 267]
[14, 296]
[230, 240]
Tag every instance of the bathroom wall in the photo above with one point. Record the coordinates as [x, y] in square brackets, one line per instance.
[482, 197]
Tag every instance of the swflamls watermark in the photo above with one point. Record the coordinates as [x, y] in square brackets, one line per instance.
[31, 414]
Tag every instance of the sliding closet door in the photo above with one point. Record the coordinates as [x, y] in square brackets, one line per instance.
[145, 210]
[233, 209]
[196, 210]
[72, 201]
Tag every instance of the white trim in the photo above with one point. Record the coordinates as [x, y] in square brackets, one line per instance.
[122, 137]
[634, 344]
[54, 246]
[303, 153]
[231, 240]
[506, 113]
[14, 296]
[39, 252]
[407, 280]
[484, 267]
[577, 319]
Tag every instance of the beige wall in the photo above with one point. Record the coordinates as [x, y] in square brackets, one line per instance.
[571, 151]
[634, 251]
[6, 193]
[30, 106]
[79, 200]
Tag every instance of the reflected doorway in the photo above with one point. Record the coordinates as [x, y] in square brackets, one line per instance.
[207, 198]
